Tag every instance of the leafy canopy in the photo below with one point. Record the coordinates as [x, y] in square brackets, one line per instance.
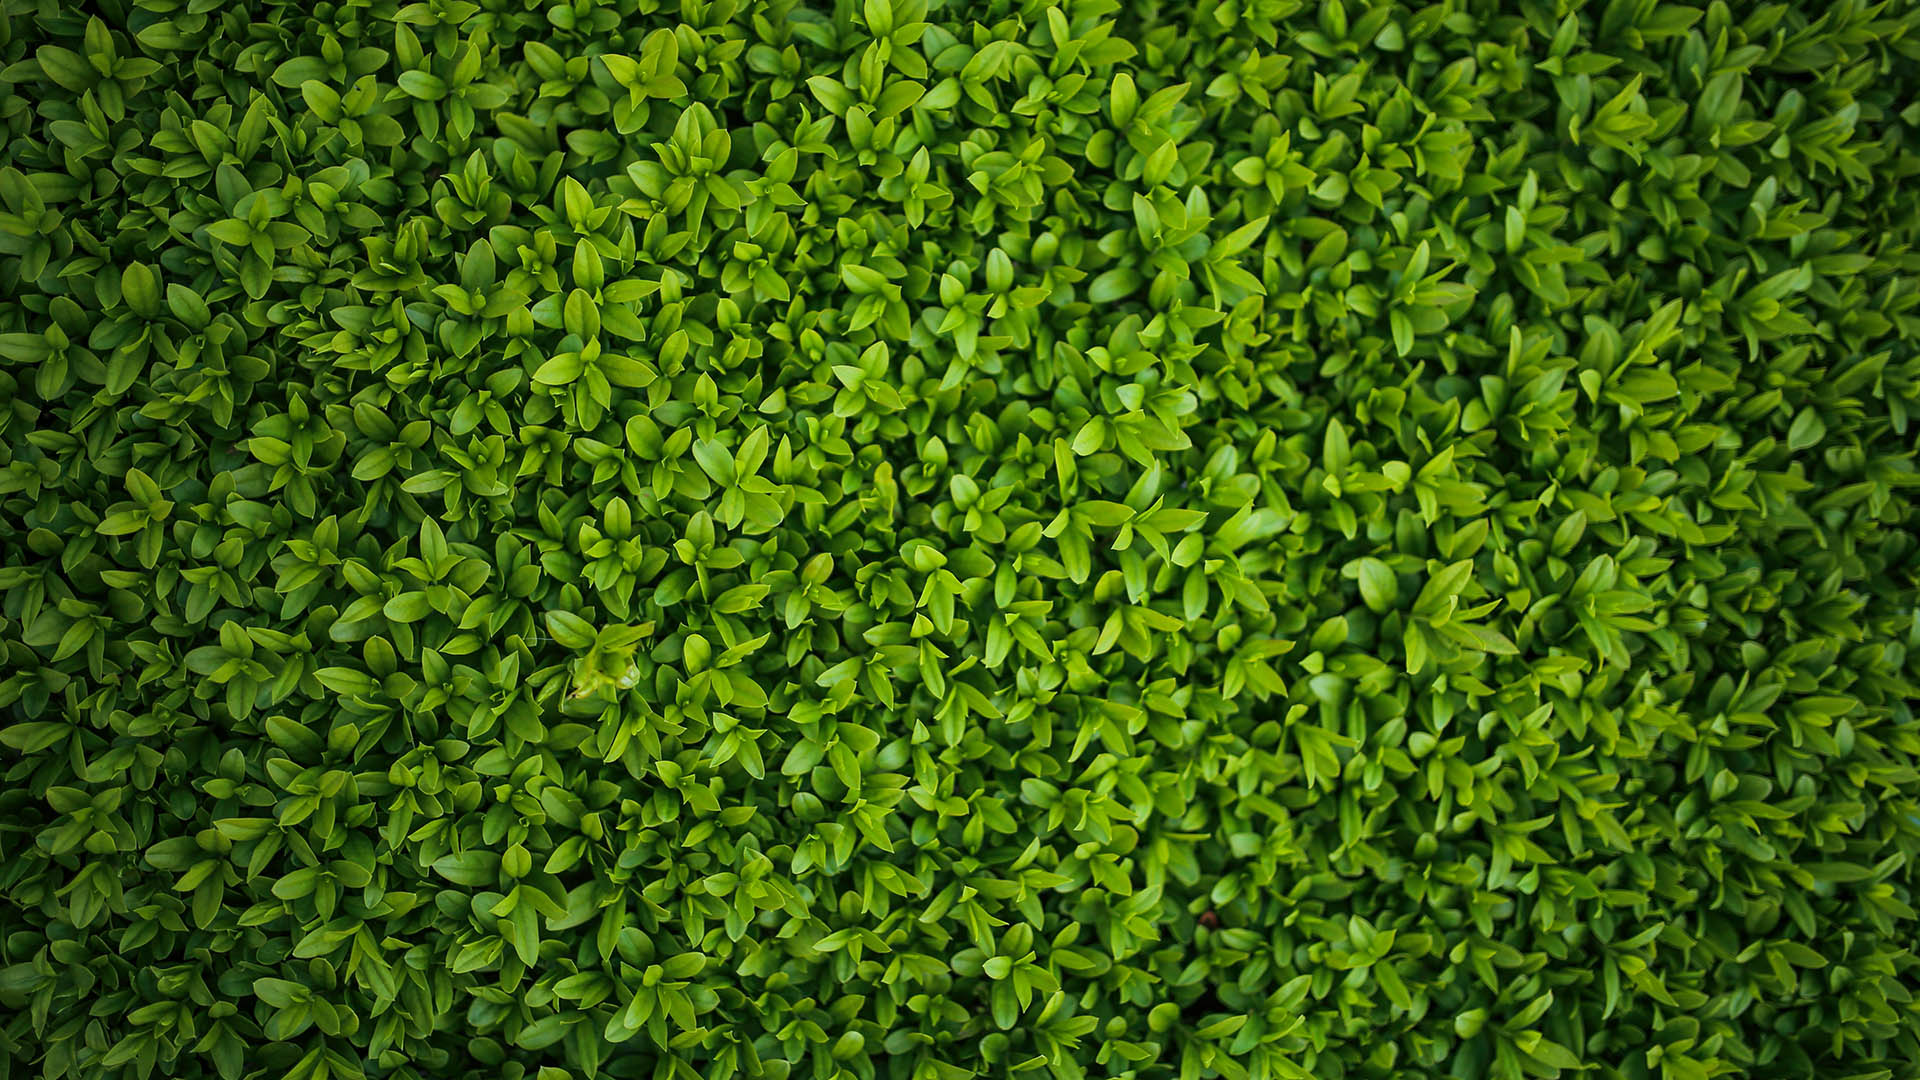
[921, 540]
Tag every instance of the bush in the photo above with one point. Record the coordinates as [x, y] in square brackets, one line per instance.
[917, 540]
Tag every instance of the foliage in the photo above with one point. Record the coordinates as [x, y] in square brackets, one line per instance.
[919, 540]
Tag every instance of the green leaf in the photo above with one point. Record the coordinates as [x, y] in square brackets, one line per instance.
[422, 85]
[570, 630]
[471, 868]
[1379, 586]
[1808, 430]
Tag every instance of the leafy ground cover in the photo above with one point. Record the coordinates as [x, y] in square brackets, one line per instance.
[1067, 539]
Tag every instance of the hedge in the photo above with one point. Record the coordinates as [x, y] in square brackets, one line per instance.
[922, 540]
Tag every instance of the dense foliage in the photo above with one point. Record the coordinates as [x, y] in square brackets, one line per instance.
[912, 540]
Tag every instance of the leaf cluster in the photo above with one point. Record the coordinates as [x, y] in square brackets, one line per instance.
[918, 540]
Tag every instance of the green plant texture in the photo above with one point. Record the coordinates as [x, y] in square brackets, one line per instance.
[949, 539]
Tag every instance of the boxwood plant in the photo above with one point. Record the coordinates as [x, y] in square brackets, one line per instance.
[922, 539]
